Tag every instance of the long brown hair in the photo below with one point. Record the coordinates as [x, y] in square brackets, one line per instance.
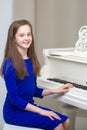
[12, 51]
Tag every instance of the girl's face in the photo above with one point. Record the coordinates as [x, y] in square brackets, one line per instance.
[23, 37]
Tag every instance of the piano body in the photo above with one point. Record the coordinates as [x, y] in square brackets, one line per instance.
[70, 66]
[63, 65]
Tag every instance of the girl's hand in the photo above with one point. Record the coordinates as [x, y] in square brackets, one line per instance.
[49, 114]
[63, 89]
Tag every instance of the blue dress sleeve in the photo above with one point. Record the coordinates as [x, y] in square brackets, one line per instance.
[10, 81]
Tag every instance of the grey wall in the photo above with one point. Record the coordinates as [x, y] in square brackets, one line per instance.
[58, 23]
[24, 10]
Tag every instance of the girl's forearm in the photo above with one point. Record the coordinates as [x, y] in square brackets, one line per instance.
[33, 108]
[47, 92]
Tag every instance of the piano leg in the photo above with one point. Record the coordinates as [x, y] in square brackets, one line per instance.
[70, 111]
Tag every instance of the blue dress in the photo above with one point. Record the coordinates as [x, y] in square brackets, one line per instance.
[19, 94]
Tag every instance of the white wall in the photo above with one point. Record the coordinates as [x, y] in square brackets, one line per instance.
[6, 8]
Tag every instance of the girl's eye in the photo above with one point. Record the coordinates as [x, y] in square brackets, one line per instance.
[29, 34]
[21, 35]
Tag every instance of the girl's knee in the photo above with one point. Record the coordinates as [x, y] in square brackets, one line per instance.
[66, 124]
[59, 127]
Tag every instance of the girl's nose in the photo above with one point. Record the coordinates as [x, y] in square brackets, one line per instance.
[26, 37]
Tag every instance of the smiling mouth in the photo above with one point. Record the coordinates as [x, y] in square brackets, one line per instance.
[26, 43]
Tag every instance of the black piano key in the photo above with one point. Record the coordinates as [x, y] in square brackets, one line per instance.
[64, 82]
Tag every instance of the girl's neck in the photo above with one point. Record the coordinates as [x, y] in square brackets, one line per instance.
[23, 53]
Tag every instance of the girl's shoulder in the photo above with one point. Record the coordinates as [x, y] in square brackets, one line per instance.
[8, 65]
[8, 62]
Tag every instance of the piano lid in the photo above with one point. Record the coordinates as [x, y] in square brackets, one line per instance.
[80, 49]
[78, 53]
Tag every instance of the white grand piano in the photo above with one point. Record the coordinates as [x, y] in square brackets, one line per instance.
[62, 65]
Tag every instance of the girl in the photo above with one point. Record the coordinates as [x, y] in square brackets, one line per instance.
[20, 68]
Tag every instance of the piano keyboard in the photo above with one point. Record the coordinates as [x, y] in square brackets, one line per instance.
[76, 97]
[48, 83]
[64, 82]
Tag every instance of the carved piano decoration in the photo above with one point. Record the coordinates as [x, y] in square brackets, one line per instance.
[62, 65]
